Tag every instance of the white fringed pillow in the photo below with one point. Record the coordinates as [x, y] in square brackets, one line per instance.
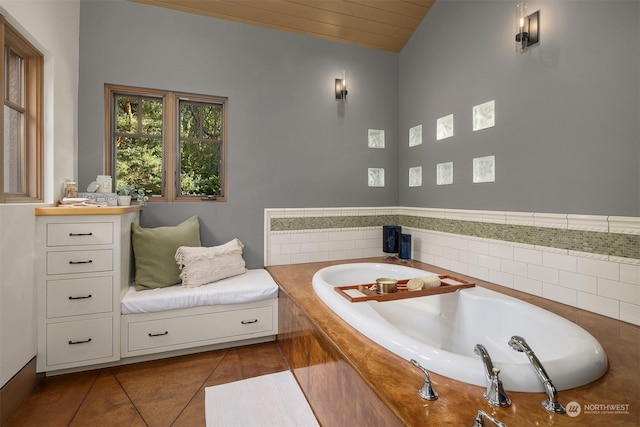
[202, 265]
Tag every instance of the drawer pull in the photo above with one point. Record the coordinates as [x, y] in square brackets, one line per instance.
[159, 335]
[79, 342]
[83, 297]
[80, 234]
[248, 322]
[81, 262]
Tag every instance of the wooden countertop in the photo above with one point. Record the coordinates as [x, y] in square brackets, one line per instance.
[86, 210]
[397, 382]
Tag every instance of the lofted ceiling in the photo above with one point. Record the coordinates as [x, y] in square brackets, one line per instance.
[378, 24]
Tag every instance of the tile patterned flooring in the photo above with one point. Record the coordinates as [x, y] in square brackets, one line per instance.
[167, 392]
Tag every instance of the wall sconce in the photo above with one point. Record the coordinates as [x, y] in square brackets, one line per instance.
[341, 88]
[528, 27]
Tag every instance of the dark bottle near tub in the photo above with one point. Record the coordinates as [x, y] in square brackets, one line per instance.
[391, 239]
[405, 246]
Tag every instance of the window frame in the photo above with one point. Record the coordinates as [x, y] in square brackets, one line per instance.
[170, 138]
[33, 86]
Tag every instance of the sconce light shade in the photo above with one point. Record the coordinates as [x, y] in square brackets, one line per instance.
[528, 28]
[341, 89]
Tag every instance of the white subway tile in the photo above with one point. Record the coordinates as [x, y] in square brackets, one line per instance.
[546, 274]
[501, 278]
[280, 259]
[559, 294]
[310, 247]
[468, 257]
[450, 253]
[618, 290]
[368, 243]
[489, 261]
[630, 313]
[459, 267]
[441, 262]
[527, 285]
[559, 261]
[599, 268]
[501, 251]
[513, 267]
[309, 237]
[459, 243]
[290, 248]
[478, 272]
[479, 247]
[278, 239]
[276, 249]
[630, 274]
[530, 256]
[580, 282]
[597, 304]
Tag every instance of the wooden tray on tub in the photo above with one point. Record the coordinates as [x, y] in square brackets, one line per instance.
[358, 293]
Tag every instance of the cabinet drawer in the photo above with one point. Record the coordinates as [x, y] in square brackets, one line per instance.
[70, 342]
[79, 261]
[73, 297]
[197, 328]
[88, 233]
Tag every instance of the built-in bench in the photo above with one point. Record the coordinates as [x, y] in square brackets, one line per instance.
[234, 309]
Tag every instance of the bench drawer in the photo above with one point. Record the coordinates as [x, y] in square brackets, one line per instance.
[196, 329]
[87, 233]
[69, 342]
[66, 262]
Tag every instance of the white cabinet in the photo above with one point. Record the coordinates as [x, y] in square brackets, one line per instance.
[84, 264]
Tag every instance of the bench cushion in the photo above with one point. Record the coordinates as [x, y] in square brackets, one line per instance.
[254, 285]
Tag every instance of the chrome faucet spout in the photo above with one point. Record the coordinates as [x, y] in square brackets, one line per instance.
[551, 403]
[495, 393]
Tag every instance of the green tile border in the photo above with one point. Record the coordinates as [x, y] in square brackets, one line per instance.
[602, 243]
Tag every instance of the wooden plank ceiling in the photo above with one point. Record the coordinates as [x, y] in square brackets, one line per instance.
[379, 24]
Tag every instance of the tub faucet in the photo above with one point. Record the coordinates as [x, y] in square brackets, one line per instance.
[427, 391]
[479, 421]
[551, 403]
[495, 393]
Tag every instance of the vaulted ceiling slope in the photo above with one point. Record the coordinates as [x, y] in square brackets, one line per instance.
[378, 24]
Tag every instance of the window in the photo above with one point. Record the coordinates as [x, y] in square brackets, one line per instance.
[22, 118]
[171, 144]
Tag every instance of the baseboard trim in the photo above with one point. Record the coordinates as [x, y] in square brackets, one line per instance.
[18, 388]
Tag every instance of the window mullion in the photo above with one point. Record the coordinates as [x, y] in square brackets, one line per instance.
[169, 135]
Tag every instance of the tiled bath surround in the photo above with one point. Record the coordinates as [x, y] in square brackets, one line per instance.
[589, 262]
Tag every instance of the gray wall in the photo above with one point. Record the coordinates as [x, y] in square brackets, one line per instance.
[290, 143]
[567, 135]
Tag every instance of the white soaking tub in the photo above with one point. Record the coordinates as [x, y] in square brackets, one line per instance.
[441, 331]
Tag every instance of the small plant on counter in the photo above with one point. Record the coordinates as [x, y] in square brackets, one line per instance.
[139, 194]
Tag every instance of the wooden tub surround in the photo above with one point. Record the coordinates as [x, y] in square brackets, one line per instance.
[350, 380]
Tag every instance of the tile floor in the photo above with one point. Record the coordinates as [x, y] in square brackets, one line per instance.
[168, 392]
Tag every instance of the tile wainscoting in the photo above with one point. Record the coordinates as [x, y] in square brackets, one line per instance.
[589, 262]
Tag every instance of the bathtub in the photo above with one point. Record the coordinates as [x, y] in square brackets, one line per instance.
[441, 331]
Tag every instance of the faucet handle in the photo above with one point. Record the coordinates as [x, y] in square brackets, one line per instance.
[495, 393]
[427, 391]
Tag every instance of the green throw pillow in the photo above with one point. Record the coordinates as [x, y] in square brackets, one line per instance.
[154, 250]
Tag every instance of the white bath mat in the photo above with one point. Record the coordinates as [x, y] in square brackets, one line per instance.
[273, 400]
